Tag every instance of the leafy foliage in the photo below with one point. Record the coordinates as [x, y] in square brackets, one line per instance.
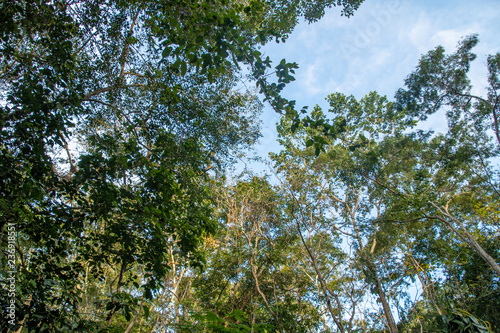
[115, 118]
[414, 202]
[118, 120]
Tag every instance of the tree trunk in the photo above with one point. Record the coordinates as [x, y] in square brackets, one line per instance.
[478, 248]
[324, 287]
[469, 239]
[381, 295]
[132, 323]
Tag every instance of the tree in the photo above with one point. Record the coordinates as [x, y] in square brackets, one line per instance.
[422, 196]
[441, 81]
[255, 268]
[114, 117]
[336, 176]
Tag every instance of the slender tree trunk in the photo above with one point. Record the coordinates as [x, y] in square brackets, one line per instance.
[324, 287]
[468, 237]
[381, 295]
[426, 284]
[478, 248]
[371, 266]
[132, 323]
[118, 288]
[257, 286]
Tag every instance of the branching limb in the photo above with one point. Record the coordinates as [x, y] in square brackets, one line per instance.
[469, 239]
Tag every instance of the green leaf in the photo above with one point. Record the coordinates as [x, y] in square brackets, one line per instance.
[183, 68]
[166, 52]
[145, 308]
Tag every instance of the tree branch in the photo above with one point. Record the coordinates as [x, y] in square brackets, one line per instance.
[102, 90]
[469, 238]
[123, 56]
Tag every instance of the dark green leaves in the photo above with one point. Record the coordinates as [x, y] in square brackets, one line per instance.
[116, 117]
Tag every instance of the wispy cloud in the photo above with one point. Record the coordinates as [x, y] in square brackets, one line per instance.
[380, 45]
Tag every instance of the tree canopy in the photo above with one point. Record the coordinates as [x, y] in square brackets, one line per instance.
[116, 115]
[408, 201]
[119, 120]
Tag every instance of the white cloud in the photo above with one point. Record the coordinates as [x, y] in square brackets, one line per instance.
[381, 44]
[419, 32]
[449, 38]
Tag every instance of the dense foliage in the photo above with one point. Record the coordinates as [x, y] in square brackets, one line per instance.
[118, 122]
[411, 204]
[115, 118]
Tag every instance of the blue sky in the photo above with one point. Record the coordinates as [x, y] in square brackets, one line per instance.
[376, 49]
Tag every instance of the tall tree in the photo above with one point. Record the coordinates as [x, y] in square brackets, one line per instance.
[349, 209]
[113, 115]
[256, 269]
[422, 196]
